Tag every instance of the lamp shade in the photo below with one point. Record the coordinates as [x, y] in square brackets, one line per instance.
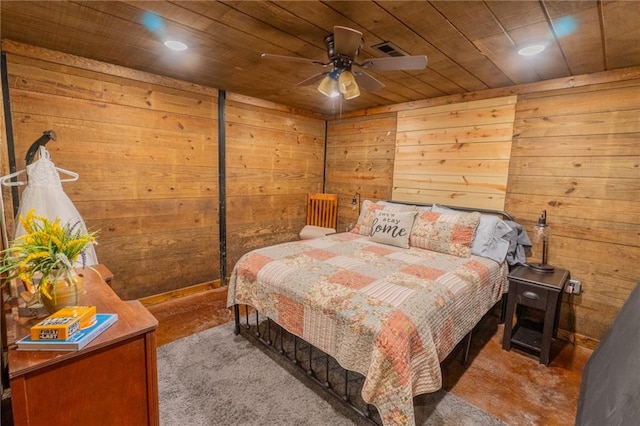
[347, 85]
[329, 86]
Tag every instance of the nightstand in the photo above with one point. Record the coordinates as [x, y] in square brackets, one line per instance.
[536, 290]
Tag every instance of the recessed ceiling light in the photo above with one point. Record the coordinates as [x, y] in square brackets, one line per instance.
[531, 50]
[175, 45]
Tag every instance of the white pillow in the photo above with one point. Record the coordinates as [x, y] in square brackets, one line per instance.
[391, 203]
[392, 228]
[419, 209]
[488, 241]
[442, 209]
[312, 231]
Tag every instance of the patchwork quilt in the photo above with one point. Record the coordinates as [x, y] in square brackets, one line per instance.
[392, 314]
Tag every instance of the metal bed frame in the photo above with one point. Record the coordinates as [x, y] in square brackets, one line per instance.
[317, 366]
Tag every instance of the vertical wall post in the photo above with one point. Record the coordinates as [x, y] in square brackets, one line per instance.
[222, 190]
[324, 170]
[9, 130]
[4, 368]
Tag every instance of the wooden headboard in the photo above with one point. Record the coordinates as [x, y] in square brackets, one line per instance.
[456, 153]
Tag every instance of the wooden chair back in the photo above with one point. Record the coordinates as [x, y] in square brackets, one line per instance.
[322, 210]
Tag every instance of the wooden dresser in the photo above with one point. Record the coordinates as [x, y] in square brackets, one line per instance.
[112, 381]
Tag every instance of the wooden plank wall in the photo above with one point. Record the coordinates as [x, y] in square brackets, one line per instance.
[145, 148]
[576, 154]
[274, 157]
[360, 155]
[455, 154]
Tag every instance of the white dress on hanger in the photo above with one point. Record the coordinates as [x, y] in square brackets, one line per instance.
[44, 193]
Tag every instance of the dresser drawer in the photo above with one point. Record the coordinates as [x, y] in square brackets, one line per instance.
[531, 296]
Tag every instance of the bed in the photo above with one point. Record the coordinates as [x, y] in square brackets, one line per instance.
[390, 299]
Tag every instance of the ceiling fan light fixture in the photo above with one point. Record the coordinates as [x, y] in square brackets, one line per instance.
[343, 47]
[329, 86]
[347, 85]
[353, 91]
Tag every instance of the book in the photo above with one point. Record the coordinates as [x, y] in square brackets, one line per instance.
[77, 341]
[64, 323]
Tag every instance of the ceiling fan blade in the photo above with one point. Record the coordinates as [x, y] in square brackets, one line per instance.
[313, 79]
[396, 63]
[367, 82]
[292, 59]
[346, 41]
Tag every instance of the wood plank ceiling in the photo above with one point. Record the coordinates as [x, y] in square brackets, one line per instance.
[470, 45]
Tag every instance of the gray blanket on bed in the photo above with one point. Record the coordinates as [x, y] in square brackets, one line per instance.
[519, 243]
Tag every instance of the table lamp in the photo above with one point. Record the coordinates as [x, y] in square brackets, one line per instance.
[541, 234]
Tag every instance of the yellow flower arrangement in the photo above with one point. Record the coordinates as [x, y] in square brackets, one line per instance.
[46, 252]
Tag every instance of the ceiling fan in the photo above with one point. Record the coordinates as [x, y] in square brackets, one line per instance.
[347, 75]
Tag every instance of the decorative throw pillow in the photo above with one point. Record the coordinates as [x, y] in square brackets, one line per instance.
[367, 214]
[489, 240]
[392, 228]
[445, 233]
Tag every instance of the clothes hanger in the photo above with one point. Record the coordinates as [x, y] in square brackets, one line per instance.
[73, 175]
[6, 180]
[47, 135]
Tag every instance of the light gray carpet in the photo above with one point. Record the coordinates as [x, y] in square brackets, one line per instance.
[216, 378]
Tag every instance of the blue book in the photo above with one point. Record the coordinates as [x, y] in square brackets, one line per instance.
[76, 342]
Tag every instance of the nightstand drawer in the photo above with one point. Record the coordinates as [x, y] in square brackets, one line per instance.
[532, 296]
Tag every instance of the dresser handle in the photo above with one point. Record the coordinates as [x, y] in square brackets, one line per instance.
[530, 295]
